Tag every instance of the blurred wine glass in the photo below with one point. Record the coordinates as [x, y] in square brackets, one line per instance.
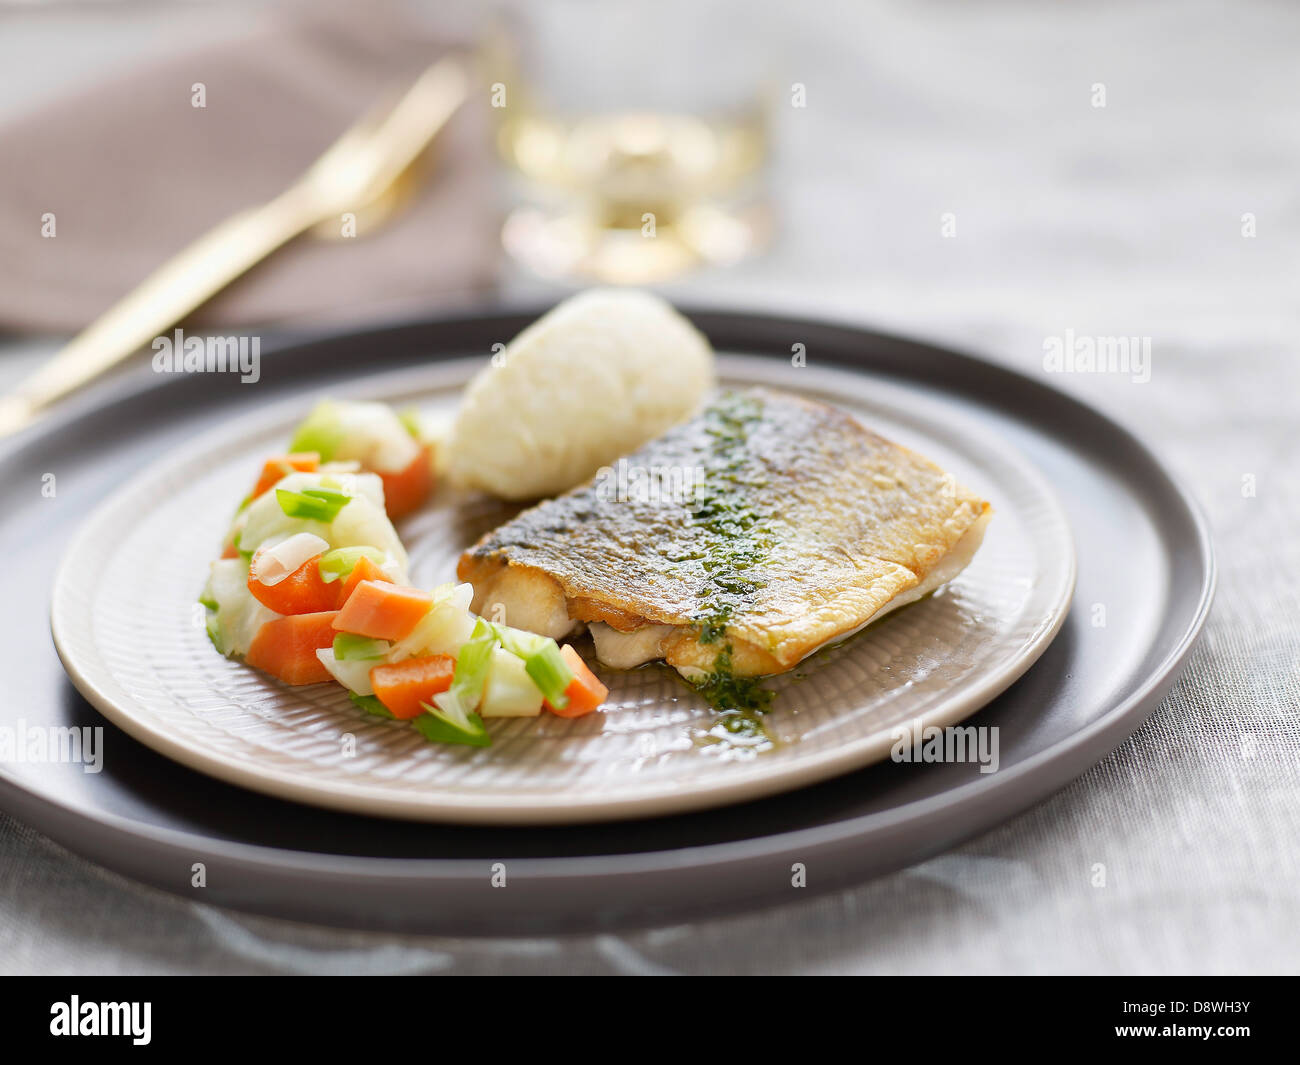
[637, 137]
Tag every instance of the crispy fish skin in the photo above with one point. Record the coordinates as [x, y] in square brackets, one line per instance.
[804, 524]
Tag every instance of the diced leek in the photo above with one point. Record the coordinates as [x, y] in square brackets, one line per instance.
[276, 562]
[321, 431]
[363, 523]
[331, 491]
[343, 560]
[519, 642]
[410, 419]
[353, 674]
[238, 616]
[371, 705]
[365, 431]
[550, 673]
[352, 648]
[206, 597]
[312, 504]
[214, 631]
[470, 677]
[375, 436]
[436, 727]
[445, 629]
[510, 691]
[543, 661]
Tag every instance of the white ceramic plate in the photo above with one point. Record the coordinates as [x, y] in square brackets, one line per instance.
[132, 639]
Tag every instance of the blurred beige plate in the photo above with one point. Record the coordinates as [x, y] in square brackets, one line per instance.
[129, 633]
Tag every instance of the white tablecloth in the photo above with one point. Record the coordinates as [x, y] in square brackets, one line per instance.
[1123, 220]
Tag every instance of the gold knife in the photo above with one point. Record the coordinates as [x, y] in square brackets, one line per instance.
[355, 171]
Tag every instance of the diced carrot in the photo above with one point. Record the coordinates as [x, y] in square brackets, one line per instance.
[364, 570]
[230, 551]
[302, 592]
[403, 686]
[286, 647]
[406, 489]
[585, 692]
[383, 611]
[282, 465]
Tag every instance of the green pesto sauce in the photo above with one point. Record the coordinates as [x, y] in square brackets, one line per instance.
[737, 539]
[737, 536]
[729, 694]
[740, 703]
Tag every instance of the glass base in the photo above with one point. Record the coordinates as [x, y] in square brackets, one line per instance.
[574, 244]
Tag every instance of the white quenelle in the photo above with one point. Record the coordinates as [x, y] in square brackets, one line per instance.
[597, 377]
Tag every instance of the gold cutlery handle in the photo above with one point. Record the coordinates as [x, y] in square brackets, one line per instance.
[356, 169]
[182, 284]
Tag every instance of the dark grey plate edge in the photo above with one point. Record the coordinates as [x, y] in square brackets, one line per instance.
[741, 875]
[745, 873]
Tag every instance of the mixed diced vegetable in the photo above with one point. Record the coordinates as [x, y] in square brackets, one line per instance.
[312, 587]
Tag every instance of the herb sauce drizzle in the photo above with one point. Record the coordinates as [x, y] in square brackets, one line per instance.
[737, 538]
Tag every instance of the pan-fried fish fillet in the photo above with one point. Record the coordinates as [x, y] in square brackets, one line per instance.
[744, 539]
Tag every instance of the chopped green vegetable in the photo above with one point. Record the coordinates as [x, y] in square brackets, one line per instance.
[247, 556]
[542, 660]
[321, 431]
[467, 683]
[371, 705]
[214, 631]
[351, 648]
[410, 419]
[550, 673]
[329, 491]
[313, 504]
[343, 560]
[518, 642]
[436, 727]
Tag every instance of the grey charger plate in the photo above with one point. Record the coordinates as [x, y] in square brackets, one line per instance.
[1143, 554]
